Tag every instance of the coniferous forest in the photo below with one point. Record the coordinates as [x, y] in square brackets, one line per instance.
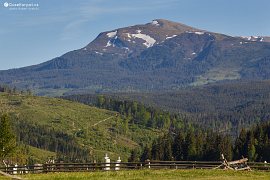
[177, 137]
[182, 139]
[208, 146]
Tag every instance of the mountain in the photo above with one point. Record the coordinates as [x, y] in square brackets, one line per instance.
[157, 56]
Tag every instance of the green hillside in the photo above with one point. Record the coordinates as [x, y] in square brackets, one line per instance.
[63, 126]
[222, 107]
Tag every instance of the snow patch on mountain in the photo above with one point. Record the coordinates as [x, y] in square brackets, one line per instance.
[199, 33]
[108, 44]
[149, 41]
[196, 32]
[112, 34]
[111, 42]
[171, 37]
[253, 38]
[154, 22]
[98, 53]
[126, 48]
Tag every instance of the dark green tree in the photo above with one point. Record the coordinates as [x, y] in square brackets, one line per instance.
[239, 148]
[190, 146]
[135, 155]
[100, 101]
[7, 138]
[155, 150]
[250, 145]
[146, 154]
[167, 146]
[178, 146]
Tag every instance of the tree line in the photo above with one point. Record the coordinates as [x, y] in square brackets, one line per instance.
[15, 134]
[43, 137]
[254, 143]
[226, 107]
[135, 112]
[186, 146]
[14, 90]
[182, 140]
[185, 140]
[208, 146]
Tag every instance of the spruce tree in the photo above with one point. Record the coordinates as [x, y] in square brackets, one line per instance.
[146, 154]
[135, 155]
[7, 138]
[239, 149]
[190, 146]
[167, 145]
[155, 151]
[178, 146]
[250, 144]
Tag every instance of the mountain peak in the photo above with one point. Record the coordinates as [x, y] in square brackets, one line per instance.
[138, 37]
[171, 25]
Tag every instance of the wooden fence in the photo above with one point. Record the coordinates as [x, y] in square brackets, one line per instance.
[84, 167]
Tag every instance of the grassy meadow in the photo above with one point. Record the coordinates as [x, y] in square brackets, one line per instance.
[163, 174]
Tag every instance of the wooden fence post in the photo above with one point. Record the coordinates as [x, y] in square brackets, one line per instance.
[148, 163]
[45, 168]
[117, 165]
[107, 163]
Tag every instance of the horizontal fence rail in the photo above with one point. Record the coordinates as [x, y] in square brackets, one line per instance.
[84, 167]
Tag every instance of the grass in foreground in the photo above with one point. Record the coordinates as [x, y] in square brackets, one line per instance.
[156, 175]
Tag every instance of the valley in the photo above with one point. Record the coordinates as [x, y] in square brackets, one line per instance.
[161, 90]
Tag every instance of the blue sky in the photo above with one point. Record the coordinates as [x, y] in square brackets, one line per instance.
[30, 37]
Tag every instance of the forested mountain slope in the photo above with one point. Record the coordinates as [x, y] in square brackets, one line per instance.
[156, 56]
[223, 107]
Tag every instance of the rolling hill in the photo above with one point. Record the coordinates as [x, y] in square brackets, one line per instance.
[71, 130]
[222, 107]
[157, 56]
